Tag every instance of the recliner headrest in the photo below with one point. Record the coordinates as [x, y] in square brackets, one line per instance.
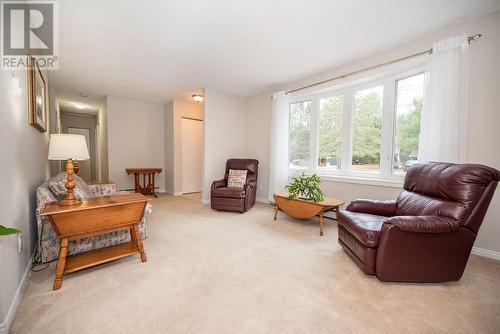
[458, 182]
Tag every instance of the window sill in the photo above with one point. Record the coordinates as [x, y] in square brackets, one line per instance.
[365, 180]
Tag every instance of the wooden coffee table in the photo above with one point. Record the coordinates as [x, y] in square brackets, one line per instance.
[305, 209]
[96, 216]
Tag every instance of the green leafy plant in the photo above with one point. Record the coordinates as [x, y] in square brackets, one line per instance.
[306, 187]
[8, 230]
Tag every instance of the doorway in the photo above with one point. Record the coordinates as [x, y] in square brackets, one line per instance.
[192, 155]
[85, 170]
[86, 125]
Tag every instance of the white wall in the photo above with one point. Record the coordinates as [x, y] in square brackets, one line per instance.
[24, 167]
[169, 147]
[484, 117]
[225, 134]
[135, 139]
[174, 111]
[258, 119]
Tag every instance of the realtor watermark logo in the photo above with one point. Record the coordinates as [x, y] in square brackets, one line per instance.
[30, 28]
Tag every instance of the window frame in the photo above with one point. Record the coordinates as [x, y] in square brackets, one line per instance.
[385, 176]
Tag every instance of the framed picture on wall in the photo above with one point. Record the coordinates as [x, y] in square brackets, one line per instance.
[37, 96]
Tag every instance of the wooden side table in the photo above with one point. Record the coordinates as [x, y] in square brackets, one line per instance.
[146, 188]
[304, 209]
[96, 216]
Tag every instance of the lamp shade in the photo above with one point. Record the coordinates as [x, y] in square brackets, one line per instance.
[66, 146]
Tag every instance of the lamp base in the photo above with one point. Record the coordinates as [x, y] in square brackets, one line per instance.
[68, 202]
[70, 185]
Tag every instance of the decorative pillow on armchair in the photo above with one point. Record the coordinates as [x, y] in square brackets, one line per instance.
[81, 190]
[237, 178]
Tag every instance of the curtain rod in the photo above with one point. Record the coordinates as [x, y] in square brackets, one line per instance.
[470, 39]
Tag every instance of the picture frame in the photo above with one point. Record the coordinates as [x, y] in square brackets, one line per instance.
[37, 96]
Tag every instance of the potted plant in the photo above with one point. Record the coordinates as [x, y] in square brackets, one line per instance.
[8, 230]
[305, 187]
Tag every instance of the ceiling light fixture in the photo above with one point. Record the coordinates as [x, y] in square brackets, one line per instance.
[79, 105]
[198, 98]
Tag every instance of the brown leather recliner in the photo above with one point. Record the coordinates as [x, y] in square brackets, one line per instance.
[234, 199]
[427, 234]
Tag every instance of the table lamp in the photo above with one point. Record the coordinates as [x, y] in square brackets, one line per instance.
[68, 147]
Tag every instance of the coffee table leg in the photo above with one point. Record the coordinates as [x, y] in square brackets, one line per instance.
[138, 241]
[321, 223]
[61, 263]
[276, 211]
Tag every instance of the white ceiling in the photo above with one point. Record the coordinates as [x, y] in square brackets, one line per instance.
[67, 97]
[158, 50]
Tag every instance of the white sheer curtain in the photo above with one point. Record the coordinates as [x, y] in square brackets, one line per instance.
[278, 160]
[444, 110]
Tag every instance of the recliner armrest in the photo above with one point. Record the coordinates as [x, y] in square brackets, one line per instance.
[219, 184]
[250, 184]
[424, 224]
[374, 207]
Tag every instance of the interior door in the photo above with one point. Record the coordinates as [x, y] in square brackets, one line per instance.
[192, 156]
[84, 171]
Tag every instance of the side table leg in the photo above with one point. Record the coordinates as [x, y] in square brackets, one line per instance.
[153, 186]
[276, 211]
[61, 262]
[321, 223]
[137, 183]
[139, 243]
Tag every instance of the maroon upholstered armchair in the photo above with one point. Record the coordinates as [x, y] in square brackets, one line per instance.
[427, 234]
[235, 199]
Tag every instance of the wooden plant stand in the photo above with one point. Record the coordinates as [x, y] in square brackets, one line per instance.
[96, 216]
[146, 188]
[304, 209]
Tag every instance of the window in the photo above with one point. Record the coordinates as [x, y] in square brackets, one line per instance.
[407, 130]
[299, 135]
[369, 130]
[330, 132]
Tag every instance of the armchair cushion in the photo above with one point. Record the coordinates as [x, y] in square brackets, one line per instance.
[364, 227]
[424, 224]
[103, 189]
[227, 192]
[237, 178]
[374, 207]
[57, 186]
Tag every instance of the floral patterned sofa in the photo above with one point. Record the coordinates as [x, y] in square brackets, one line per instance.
[52, 190]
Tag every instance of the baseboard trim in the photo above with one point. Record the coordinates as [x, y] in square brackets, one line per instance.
[205, 201]
[486, 253]
[7, 322]
[262, 200]
[174, 193]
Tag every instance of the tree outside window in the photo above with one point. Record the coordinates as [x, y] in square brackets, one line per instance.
[330, 132]
[299, 134]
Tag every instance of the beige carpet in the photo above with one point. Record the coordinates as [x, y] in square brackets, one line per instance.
[215, 272]
[194, 196]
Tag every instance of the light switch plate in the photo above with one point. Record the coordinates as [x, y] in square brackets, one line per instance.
[20, 242]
